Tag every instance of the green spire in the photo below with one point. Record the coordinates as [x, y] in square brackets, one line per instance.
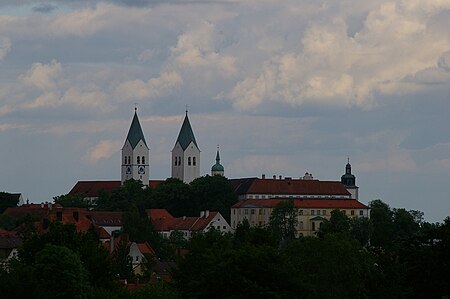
[186, 135]
[217, 167]
[135, 133]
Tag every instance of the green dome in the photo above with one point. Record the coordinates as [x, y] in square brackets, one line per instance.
[217, 167]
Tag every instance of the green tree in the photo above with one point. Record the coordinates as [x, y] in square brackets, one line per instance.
[174, 196]
[338, 223]
[383, 226]
[131, 193]
[59, 273]
[71, 201]
[361, 230]
[122, 263]
[213, 193]
[283, 221]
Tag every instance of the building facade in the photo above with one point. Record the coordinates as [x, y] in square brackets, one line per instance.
[135, 154]
[186, 154]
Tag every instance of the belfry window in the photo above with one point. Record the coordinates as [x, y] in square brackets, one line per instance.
[189, 161]
[143, 159]
[125, 162]
[138, 160]
[176, 160]
[193, 161]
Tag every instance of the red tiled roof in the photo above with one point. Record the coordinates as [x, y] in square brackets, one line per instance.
[38, 210]
[193, 223]
[288, 186]
[161, 219]
[93, 188]
[105, 218]
[303, 203]
[145, 249]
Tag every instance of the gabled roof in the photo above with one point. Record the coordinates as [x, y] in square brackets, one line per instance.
[186, 135]
[146, 249]
[161, 219]
[288, 187]
[135, 133]
[193, 223]
[303, 203]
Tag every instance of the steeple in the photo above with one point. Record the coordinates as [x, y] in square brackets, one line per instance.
[186, 154]
[217, 168]
[135, 154]
[349, 180]
[186, 135]
[135, 133]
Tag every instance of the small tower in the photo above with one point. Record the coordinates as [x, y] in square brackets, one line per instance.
[217, 168]
[186, 154]
[349, 180]
[135, 154]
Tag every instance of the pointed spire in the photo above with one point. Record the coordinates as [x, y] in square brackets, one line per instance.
[217, 155]
[135, 133]
[186, 135]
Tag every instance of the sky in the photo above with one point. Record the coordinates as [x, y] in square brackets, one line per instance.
[284, 87]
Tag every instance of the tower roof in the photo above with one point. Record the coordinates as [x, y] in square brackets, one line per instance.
[186, 135]
[217, 166]
[135, 133]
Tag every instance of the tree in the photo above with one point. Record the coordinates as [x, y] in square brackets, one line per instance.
[213, 193]
[174, 196]
[7, 200]
[59, 273]
[283, 221]
[383, 227]
[131, 193]
[122, 263]
[338, 223]
[72, 201]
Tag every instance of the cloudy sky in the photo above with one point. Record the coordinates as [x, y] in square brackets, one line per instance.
[284, 87]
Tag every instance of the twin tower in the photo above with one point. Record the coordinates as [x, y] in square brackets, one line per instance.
[185, 154]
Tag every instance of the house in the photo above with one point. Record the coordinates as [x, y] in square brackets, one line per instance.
[311, 212]
[165, 223]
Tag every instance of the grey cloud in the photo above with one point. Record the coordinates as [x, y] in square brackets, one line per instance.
[444, 61]
[44, 8]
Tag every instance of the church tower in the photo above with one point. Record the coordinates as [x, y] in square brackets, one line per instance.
[135, 154]
[186, 154]
[217, 169]
[349, 180]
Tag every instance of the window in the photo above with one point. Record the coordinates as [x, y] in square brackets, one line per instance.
[189, 161]
[318, 212]
[252, 211]
[260, 212]
[143, 159]
[218, 227]
[312, 212]
[125, 162]
[300, 225]
[137, 258]
[234, 211]
[313, 226]
[193, 161]
[344, 211]
[246, 211]
[175, 162]
[224, 227]
[300, 212]
[352, 212]
[361, 212]
[324, 212]
[138, 160]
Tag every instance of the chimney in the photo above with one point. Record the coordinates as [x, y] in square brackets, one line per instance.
[274, 177]
[76, 215]
[206, 213]
[202, 213]
[42, 205]
[263, 176]
[49, 206]
[59, 215]
[281, 177]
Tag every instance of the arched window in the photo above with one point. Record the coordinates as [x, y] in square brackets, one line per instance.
[129, 160]
[193, 161]
[176, 161]
[143, 159]
[189, 161]
[138, 160]
[125, 162]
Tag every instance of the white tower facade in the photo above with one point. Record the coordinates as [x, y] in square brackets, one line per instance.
[135, 154]
[186, 154]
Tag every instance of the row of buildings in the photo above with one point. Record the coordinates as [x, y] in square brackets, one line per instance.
[313, 198]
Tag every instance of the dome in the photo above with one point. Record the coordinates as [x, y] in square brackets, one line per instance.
[217, 167]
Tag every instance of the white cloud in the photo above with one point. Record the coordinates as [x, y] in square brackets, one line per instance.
[43, 76]
[103, 150]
